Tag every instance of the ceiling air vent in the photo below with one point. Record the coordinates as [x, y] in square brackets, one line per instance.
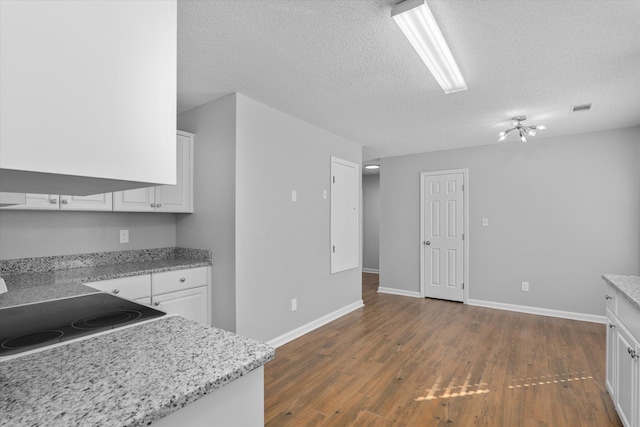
[581, 107]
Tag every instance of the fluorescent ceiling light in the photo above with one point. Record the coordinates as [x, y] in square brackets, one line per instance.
[372, 167]
[419, 26]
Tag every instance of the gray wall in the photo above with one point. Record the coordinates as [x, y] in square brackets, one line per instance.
[212, 225]
[562, 211]
[282, 247]
[25, 234]
[371, 226]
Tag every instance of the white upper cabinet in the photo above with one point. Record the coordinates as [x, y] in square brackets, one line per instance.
[54, 202]
[88, 91]
[10, 199]
[164, 198]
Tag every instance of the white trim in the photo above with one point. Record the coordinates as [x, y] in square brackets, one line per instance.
[539, 311]
[298, 332]
[465, 195]
[371, 270]
[400, 292]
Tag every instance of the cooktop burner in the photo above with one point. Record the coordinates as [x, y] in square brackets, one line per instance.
[31, 326]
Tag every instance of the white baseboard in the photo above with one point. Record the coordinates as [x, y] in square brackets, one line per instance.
[539, 311]
[298, 332]
[371, 270]
[400, 292]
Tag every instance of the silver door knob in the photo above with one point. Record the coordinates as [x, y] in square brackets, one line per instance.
[608, 297]
[427, 243]
[156, 303]
[182, 279]
[116, 291]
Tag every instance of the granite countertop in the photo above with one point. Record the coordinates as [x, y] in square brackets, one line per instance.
[129, 377]
[629, 287]
[27, 286]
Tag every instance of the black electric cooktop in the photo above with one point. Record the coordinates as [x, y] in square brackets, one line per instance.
[27, 327]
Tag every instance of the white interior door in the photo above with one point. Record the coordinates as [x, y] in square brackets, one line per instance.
[443, 223]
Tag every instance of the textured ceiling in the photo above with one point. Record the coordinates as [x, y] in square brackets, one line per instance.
[346, 67]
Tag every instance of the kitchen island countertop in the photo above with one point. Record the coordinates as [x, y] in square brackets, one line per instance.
[130, 377]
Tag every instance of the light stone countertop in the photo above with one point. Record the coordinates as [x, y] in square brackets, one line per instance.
[32, 287]
[629, 287]
[129, 377]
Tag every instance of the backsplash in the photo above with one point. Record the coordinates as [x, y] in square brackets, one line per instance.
[64, 262]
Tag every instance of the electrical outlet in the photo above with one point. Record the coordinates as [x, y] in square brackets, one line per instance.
[124, 236]
[294, 196]
[294, 304]
[525, 286]
[485, 222]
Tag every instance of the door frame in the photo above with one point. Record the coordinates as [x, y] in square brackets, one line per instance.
[465, 220]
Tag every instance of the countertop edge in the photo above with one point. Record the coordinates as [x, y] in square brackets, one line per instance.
[623, 284]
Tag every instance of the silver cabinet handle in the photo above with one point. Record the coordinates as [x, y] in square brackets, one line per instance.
[608, 297]
[632, 353]
[158, 205]
[153, 205]
[427, 243]
[53, 201]
[65, 201]
[116, 291]
[182, 279]
[611, 325]
[156, 303]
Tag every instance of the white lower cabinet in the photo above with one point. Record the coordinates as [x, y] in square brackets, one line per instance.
[623, 358]
[182, 292]
[191, 304]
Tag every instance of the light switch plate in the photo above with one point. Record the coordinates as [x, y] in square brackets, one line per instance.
[485, 222]
[294, 195]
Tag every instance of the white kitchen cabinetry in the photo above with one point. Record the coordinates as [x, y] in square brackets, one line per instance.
[54, 202]
[88, 93]
[183, 292]
[164, 198]
[623, 357]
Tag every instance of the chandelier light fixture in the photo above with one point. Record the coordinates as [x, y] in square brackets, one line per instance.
[521, 129]
[421, 29]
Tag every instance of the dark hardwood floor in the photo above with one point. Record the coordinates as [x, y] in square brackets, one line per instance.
[402, 361]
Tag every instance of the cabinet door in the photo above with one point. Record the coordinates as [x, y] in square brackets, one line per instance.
[191, 304]
[179, 197]
[96, 202]
[611, 357]
[41, 202]
[138, 200]
[626, 377]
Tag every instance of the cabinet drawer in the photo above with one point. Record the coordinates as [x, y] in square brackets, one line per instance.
[612, 298]
[134, 287]
[177, 280]
[629, 316]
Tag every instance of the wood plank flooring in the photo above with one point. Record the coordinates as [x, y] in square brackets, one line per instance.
[402, 361]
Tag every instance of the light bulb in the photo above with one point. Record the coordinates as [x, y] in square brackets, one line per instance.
[503, 133]
[502, 138]
[523, 138]
[531, 132]
[541, 127]
[515, 122]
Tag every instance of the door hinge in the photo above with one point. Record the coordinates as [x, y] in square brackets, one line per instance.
[462, 236]
[462, 285]
[334, 179]
[462, 187]
[334, 249]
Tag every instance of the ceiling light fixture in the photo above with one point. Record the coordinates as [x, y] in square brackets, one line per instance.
[372, 166]
[421, 29]
[522, 129]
